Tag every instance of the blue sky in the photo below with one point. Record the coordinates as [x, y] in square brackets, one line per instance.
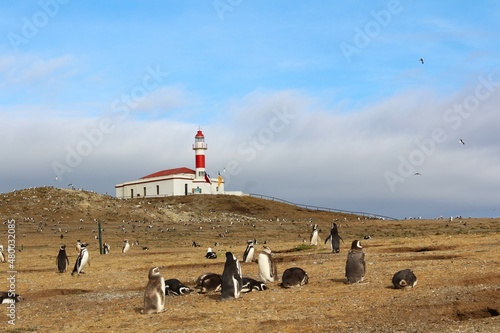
[343, 77]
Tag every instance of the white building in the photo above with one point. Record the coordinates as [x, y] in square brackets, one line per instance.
[178, 181]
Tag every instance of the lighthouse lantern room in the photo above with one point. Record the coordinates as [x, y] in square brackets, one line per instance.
[177, 181]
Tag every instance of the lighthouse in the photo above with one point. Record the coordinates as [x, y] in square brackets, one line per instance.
[176, 181]
[199, 148]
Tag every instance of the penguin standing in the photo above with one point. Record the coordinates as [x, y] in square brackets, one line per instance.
[314, 235]
[231, 278]
[62, 260]
[2, 256]
[210, 254]
[355, 266]
[107, 248]
[334, 239]
[248, 255]
[293, 277]
[154, 295]
[126, 246]
[82, 260]
[268, 270]
[404, 279]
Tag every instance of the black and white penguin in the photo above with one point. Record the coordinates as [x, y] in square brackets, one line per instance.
[208, 282]
[62, 260]
[210, 254]
[334, 239]
[268, 270]
[250, 284]
[174, 287]
[294, 276]
[2, 255]
[314, 235]
[154, 295]
[231, 278]
[8, 297]
[355, 266]
[404, 279]
[126, 246]
[107, 248]
[82, 260]
[249, 252]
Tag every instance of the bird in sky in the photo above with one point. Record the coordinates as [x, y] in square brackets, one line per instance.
[422, 60]
[418, 174]
[461, 141]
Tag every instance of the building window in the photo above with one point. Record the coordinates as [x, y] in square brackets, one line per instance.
[157, 189]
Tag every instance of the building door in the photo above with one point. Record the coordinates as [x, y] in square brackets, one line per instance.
[185, 189]
[132, 193]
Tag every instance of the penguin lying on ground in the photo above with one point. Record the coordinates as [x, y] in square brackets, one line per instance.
[250, 284]
[293, 277]
[208, 282]
[8, 297]
[174, 287]
[404, 279]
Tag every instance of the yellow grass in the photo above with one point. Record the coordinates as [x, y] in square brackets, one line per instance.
[457, 265]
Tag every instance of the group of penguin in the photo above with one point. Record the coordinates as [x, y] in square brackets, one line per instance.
[232, 283]
[83, 256]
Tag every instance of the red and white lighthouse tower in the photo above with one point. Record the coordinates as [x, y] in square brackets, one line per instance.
[199, 148]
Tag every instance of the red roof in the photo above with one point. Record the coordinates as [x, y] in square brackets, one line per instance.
[169, 172]
[199, 134]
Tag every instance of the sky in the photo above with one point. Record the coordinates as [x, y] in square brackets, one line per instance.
[350, 105]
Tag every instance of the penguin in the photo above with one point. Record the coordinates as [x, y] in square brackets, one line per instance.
[2, 255]
[7, 297]
[293, 277]
[210, 254]
[231, 278]
[107, 248]
[404, 279]
[268, 270]
[248, 255]
[154, 295]
[314, 235]
[174, 287]
[355, 266]
[126, 246]
[334, 239]
[62, 260]
[249, 284]
[82, 260]
[78, 246]
[208, 282]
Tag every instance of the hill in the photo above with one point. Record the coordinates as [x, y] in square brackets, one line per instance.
[456, 263]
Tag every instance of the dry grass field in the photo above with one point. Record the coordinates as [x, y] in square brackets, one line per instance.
[457, 265]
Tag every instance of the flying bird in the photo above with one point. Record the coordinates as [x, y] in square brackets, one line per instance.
[461, 141]
[422, 60]
[418, 174]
